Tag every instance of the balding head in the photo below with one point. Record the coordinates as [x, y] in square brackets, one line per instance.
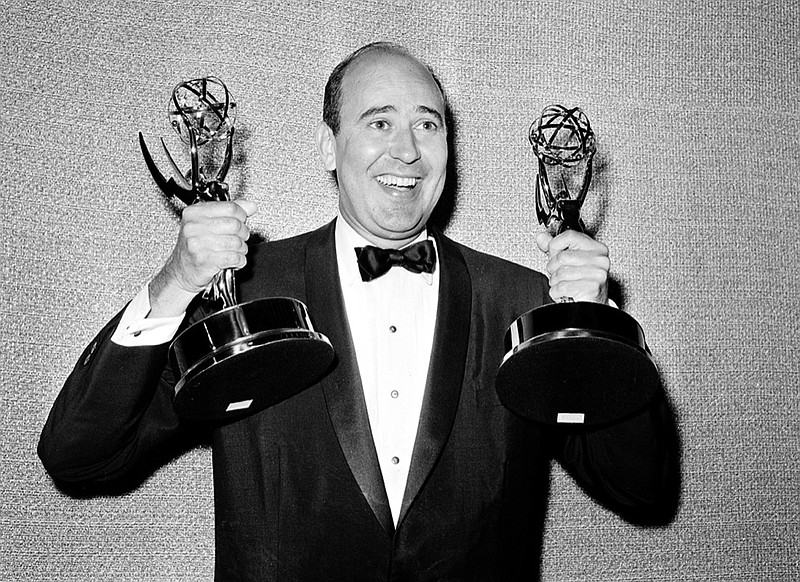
[332, 104]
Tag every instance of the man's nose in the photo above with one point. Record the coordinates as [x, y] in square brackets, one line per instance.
[404, 146]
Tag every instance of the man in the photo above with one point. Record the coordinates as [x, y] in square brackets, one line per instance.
[400, 464]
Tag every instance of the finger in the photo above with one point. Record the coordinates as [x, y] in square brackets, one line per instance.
[592, 275]
[578, 291]
[229, 244]
[590, 280]
[572, 258]
[574, 240]
[215, 225]
[226, 225]
[201, 249]
[228, 260]
[543, 241]
[582, 283]
[209, 210]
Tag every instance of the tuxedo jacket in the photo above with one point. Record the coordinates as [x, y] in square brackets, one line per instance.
[298, 489]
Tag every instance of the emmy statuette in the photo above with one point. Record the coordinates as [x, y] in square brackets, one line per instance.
[243, 357]
[572, 362]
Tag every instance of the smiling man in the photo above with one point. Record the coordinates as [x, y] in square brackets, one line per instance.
[388, 146]
[399, 464]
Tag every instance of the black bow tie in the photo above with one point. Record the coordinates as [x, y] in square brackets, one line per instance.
[417, 258]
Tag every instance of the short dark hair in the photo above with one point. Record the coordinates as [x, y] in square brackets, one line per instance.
[332, 103]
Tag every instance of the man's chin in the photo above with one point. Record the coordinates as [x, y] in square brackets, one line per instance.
[397, 234]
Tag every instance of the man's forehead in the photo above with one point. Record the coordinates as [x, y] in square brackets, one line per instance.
[377, 80]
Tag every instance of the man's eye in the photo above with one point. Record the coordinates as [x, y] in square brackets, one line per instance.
[429, 126]
[379, 124]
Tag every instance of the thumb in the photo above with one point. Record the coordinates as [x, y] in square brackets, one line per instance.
[248, 206]
[543, 241]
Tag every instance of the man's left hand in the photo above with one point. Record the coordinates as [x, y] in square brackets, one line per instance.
[578, 266]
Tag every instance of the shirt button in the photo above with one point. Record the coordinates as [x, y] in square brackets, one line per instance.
[392, 329]
[395, 460]
[395, 393]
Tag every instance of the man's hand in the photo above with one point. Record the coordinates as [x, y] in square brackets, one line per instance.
[578, 266]
[212, 237]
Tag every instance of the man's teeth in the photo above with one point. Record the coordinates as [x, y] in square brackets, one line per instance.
[397, 181]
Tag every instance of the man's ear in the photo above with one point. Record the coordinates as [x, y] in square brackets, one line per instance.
[326, 145]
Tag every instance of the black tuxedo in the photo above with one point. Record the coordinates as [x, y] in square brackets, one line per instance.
[298, 489]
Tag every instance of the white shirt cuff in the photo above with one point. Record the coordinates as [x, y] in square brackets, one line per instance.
[136, 329]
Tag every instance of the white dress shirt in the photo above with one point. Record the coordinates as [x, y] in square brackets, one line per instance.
[136, 329]
[391, 322]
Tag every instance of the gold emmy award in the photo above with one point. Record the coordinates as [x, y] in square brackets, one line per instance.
[572, 362]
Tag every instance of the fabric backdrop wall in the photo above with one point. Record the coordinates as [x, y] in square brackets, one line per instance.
[696, 107]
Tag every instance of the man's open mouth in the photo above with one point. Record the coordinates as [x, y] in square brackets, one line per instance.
[397, 181]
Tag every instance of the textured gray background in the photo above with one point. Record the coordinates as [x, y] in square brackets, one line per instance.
[696, 107]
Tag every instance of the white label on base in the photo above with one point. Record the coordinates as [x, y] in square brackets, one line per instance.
[239, 405]
[570, 418]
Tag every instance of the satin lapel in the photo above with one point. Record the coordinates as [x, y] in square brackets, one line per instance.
[344, 395]
[446, 370]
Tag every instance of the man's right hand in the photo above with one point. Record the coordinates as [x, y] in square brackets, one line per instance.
[212, 237]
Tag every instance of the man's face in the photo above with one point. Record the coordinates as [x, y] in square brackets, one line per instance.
[390, 154]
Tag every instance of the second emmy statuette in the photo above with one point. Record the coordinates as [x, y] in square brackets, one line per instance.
[243, 357]
[572, 362]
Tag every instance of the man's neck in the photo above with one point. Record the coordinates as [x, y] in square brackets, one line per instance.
[371, 239]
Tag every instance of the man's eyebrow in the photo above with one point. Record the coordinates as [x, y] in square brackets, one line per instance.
[431, 111]
[377, 111]
[385, 108]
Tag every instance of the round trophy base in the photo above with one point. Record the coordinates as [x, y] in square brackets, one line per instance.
[576, 363]
[245, 358]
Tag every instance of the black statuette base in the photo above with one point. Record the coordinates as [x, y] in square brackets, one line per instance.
[246, 358]
[576, 363]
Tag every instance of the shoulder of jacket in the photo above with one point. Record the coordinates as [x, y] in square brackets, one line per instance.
[483, 263]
